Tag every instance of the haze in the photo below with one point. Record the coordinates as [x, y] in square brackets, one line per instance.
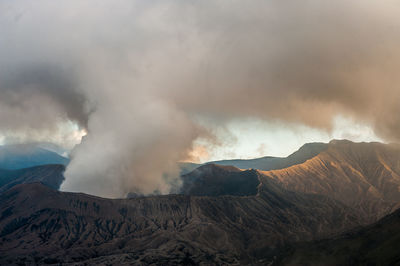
[151, 82]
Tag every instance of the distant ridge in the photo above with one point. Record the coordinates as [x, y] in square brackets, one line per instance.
[307, 151]
[18, 156]
[226, 216]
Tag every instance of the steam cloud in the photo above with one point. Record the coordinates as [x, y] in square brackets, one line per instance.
[136, 75]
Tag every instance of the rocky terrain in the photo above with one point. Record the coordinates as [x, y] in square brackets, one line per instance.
[365, 176]
[223, 215]
[218, 180]
[38, 224]
[377, 244]
[48, 175]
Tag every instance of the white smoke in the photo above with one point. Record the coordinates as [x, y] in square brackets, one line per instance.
[136, 74]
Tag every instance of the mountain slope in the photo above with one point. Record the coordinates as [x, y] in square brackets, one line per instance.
[217, 180]
[43, 225]
[20, 156]
[48, 175]
[365, 176]
[228, 215]
[377, 244]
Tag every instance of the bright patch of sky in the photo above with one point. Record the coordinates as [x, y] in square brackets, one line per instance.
[239, 139]
[66, 135]
[252, 138]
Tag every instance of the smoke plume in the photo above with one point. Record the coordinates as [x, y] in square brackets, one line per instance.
[137, 76]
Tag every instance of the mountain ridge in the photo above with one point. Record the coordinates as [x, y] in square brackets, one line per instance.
[265, 163]
[36, 221]
[361, 175]
[19, 156]
[215, 220]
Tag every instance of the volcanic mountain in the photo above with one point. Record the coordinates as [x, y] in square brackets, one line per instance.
[41, 225]
[364, 176]
[224, 215]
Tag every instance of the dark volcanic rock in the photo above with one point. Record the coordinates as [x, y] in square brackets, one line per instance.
[231, 216]
[49, 175]
[218, 180]
[377, 244]
[43, 225]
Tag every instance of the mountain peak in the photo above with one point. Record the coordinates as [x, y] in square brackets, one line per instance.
[364, 176]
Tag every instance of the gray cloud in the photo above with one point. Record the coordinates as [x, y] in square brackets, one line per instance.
[137, 74]
[39, 95]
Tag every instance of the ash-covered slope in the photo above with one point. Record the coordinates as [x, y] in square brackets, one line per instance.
[237, 216]
[365, 176]
[38, 224]
[377, 244]
[49, 175]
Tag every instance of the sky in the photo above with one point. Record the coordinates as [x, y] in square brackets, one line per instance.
[253, 138]
[241, 139]
[151, 83]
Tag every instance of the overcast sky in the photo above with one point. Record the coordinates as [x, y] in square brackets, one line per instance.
[154, 82]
